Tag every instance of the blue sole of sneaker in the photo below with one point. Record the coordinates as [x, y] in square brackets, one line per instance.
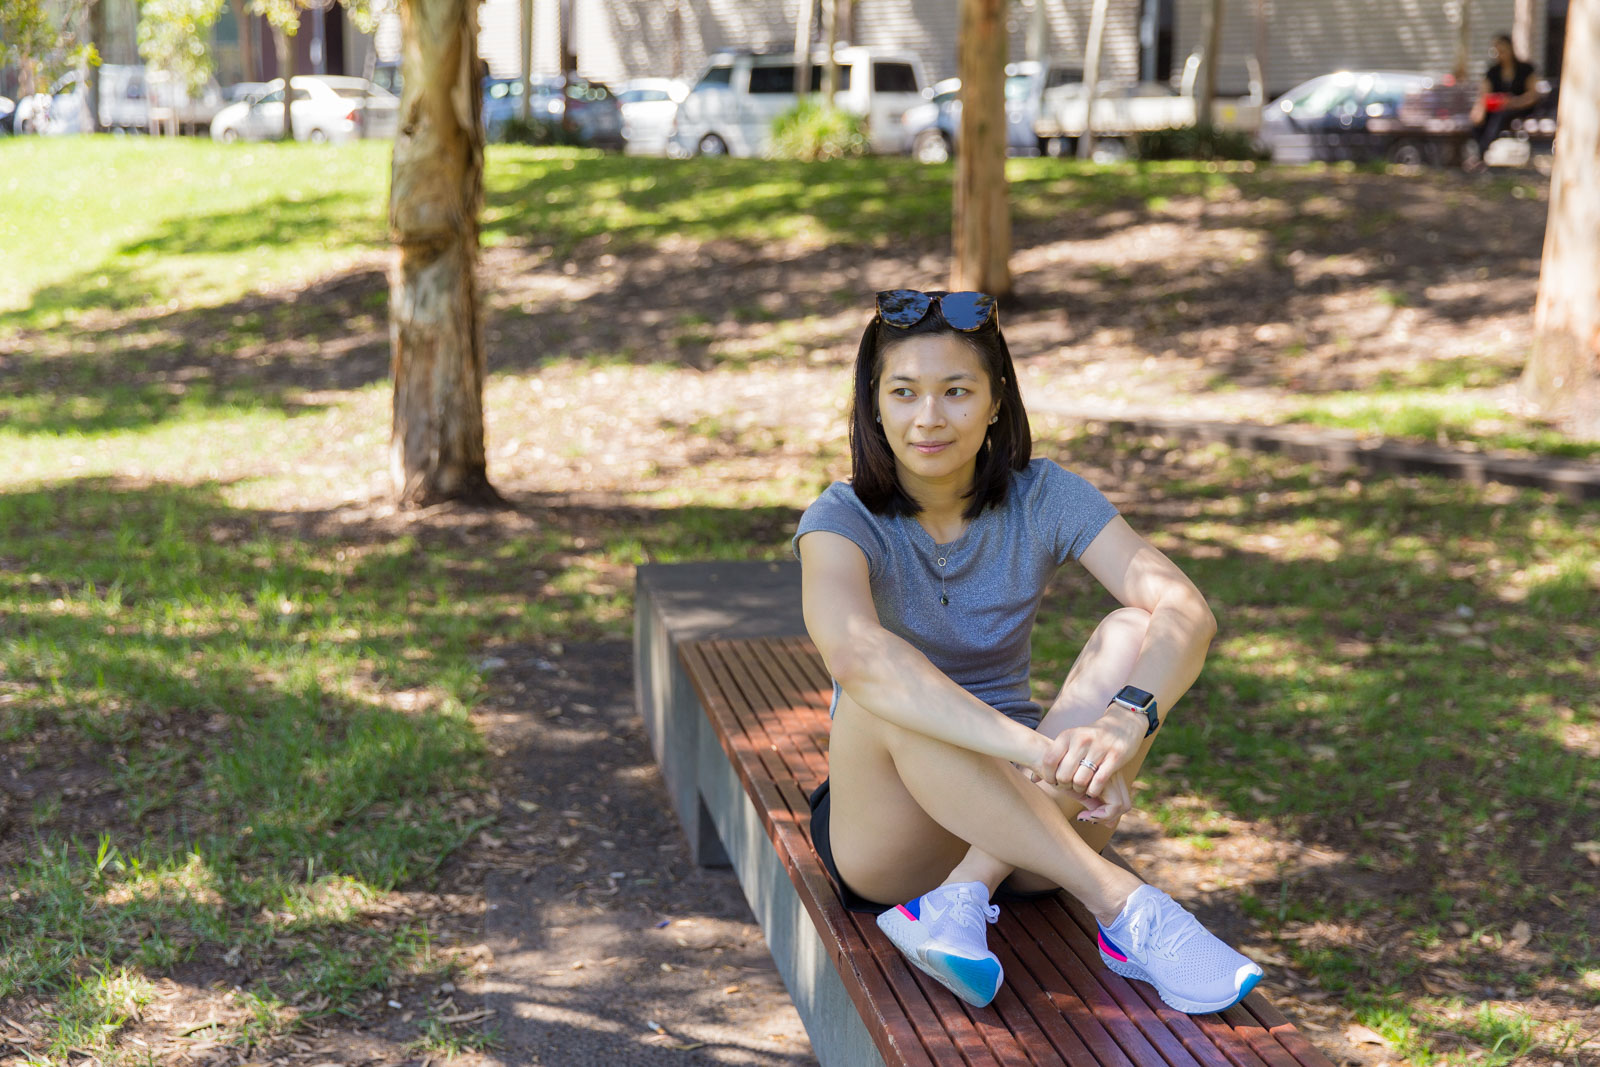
[974, 981]
[1188, 1007]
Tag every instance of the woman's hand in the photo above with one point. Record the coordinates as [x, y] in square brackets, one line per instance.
[1085, 759]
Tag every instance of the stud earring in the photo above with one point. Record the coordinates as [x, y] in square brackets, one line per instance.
[877, 418]
[993, 419]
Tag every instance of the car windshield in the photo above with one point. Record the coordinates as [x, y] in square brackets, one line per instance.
[1322, 96]
[1017, 86]
[352, 92]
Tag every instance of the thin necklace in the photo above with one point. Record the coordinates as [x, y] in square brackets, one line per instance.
[944, 597]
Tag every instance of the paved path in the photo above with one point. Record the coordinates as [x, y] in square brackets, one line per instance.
[609, 946]
[1573, 479]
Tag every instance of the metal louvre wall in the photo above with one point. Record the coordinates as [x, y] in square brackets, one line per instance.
[620, 39]
[1306, 38]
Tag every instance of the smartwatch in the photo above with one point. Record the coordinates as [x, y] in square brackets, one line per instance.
[1135, 699]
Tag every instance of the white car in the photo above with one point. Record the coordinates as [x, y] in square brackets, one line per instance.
[325, 108]
[648, 107]
[730, 110]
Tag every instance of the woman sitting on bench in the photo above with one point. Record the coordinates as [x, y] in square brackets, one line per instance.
[922, 577]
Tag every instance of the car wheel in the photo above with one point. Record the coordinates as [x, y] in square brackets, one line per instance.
[930, 147]
[712, 145]
[1407, 154]
[317, 136]
[230, 135]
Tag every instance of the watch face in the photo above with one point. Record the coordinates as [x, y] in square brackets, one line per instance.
[1135, 696]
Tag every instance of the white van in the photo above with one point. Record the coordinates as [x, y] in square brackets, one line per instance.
[731, 108]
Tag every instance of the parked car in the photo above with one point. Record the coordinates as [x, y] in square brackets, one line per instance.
[324, 107]
[1124, 109]
[585, 111]
[932, 128]
[731, 108]
[648, 107]
[8, 111]
[1331, 117]
[243, 91]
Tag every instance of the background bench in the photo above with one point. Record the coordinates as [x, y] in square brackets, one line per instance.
[740, 725]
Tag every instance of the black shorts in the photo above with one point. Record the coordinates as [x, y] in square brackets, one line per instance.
[821, 807]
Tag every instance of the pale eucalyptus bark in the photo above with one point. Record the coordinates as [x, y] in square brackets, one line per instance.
[1205, 89]
[805, 13]
[1091, 75]
[437, 449]
[1563, 371]
[981, 226]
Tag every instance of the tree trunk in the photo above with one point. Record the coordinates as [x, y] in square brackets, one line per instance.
[1205, 90]
[284, 42]
[982, 216]
[1091, 75]
[830, 37]
[1461, 15]
[1563, 371]
[1037, 44]
[1522, 16]
[97, 38]
[250, 63]
[437, 448]
[525, 32]
[804, 12]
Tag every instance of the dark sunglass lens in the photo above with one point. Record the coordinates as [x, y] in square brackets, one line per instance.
[903, 307]
[966, 311]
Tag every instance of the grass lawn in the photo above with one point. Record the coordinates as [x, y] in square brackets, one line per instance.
[240, 742]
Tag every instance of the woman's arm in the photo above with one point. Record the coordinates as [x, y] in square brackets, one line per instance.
[885, 674]
[1174, 648]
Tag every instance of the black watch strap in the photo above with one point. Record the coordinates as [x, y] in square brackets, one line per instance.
[1135, 699]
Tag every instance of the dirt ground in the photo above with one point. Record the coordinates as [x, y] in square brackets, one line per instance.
[581, 924]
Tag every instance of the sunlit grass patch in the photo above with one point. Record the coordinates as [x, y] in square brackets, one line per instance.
[157, 219]
[1451, 417]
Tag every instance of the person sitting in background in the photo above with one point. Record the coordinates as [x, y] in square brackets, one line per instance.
[1508, 92]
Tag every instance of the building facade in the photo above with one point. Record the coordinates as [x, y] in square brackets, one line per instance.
[614, 40]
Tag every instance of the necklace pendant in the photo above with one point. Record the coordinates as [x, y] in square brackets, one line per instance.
[944, 599]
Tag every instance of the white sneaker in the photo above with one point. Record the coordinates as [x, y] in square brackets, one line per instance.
[1155, 940]
[945, 934]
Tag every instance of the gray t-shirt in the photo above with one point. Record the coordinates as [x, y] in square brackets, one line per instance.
[994, 576]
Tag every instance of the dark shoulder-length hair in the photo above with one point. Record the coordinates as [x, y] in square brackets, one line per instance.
[1007, 447]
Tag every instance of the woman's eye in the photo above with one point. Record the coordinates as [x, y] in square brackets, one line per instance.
[901, 391]
[958, 391]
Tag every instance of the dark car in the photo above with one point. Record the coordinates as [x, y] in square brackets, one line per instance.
[1347, 115]
[575, 109]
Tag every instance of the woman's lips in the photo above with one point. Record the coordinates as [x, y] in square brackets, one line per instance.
[929, 448]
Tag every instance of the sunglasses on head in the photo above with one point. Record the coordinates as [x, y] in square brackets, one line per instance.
[904, 308]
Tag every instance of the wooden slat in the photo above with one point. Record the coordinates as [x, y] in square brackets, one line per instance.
[1285, 1032]
[1143, 1003]
[767, 699]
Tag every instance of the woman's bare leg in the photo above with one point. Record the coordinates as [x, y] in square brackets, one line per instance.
[1100, 670]
[905, 804]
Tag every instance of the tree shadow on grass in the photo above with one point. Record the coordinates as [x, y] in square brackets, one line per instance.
[263, 351]
[286, 697]
[1375, 695]
[141, 272]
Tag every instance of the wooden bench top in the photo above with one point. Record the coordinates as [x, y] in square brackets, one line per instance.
[767, 700]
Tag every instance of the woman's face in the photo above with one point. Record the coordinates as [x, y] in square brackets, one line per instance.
[935, 402]
[1502, 51]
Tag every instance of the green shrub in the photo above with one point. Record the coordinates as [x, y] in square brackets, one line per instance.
[536, 132]
[810, 132]
[1196, 142]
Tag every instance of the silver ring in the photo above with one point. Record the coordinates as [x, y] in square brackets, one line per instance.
[1091, 766]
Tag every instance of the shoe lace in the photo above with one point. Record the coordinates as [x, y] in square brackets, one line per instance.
[967, 910]
[1167, 929]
